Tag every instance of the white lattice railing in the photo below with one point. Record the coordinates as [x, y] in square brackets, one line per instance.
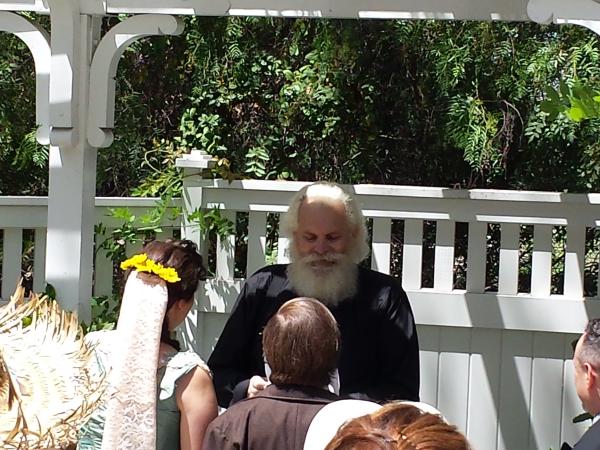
[496, 362]
[411, 207]
[23, 233]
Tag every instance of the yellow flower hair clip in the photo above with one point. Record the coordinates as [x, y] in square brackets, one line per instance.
[142, 263]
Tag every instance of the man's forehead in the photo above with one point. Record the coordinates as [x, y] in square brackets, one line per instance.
[323, 209]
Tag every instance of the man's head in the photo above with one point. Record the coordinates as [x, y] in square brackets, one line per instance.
[301, 343]
[327, 240]
[586, 363]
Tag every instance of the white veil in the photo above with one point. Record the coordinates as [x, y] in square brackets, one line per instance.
[131, 411]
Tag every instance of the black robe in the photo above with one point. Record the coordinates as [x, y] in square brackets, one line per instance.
[379, 358]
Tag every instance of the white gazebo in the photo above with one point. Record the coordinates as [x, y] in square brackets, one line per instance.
[75, 86]
[496, 363]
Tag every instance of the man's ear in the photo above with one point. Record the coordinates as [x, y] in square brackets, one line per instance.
[591, 375]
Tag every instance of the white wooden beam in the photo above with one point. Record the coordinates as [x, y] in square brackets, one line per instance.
[101, 108]
[38, 41]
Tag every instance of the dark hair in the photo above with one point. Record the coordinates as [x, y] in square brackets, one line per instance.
[590, 344]
[301, 343]
[398, 426]
[181, 255]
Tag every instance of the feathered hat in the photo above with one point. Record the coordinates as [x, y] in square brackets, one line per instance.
[46, 392]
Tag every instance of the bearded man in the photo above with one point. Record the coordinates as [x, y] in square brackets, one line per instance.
[379, 358]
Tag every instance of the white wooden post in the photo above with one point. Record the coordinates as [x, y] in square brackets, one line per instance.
[541, 263]
[476, 257]
[12, 257]
[226, 252]
[574, 261]
[443, 277]
[508, 272]
[72, 180]
[257, 241]
[412, 255]
[381, 247]
[193, 164]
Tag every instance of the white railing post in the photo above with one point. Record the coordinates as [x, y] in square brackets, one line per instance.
[574, 261]
[11, 260]
[381, 247]
[508, 272]
[257, 241]
[412, 255]
[476, 257]
[443, 275]
[541, 261]
[193, 164]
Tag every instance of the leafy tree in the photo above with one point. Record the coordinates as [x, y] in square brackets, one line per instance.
[398, 102]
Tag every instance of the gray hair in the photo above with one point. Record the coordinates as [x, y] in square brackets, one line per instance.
[329, 192]
[590, 348]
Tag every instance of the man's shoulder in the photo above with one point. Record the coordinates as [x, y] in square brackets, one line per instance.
[590, 440]
[271, 270]
[373, 278]
[267, 275]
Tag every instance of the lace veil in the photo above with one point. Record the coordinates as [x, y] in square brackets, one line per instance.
[131, 411]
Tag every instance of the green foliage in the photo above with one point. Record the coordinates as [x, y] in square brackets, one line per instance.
[577, 102]
[442, 103]
[105, 313]
[133, 229]
[211, 222]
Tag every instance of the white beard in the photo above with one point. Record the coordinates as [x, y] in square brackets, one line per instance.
[328, 283]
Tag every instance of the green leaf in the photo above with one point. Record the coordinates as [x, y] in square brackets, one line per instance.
[50, 291]
[575, 114]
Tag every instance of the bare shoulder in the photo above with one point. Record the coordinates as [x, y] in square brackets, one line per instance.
[197, 378]
[194, 385]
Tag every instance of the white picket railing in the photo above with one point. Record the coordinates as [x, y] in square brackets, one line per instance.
[497, 363]
[23, 229]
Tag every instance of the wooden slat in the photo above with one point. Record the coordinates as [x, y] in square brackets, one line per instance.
[412, 255]
[257, 241]
[226, 251]
[515, 390]
[484, 388]
[190, 331]
[103, 270]
[381, 246]
[541, 262]
[574, 260]
[214, 324]
[508, 272]
[429, 345]
[444, 256]
[571, 405]
[453, 384]
[283, 253]
[39, 260]
[11, 260]
[476, 257]
[546, 391]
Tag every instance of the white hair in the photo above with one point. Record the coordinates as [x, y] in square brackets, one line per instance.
[333, 193]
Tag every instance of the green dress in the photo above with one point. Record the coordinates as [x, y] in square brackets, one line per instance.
[172, 368]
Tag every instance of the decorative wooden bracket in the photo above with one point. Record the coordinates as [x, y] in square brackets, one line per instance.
[101, 108]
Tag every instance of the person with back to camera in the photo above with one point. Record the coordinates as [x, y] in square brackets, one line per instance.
[159, 397]
[379, 355]
[586, 365]
[301, 345]
[399, 426]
